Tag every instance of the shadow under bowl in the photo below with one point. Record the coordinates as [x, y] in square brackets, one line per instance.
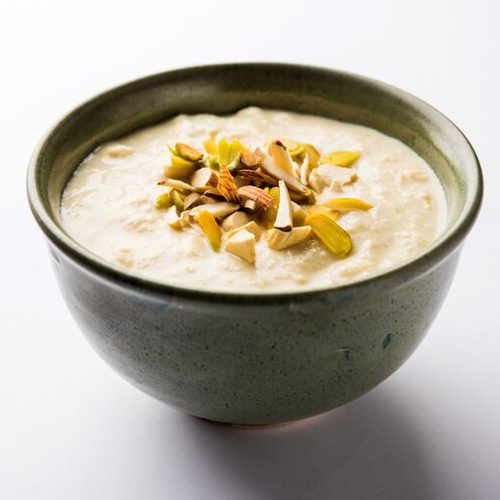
[255, 359]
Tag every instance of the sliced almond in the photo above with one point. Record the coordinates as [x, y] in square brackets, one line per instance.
[257, 175]
[241, 181]
[177, 184]
[213, 192]
[191, 200]
[279, 240]
[205, 200]
[251, 226]
[281, 157]
[226, 185]
[235, 220]
[203, 178]
[242, 244]
[305, 170]
[222, 209]
[278, 173]
[284, 217]
[346, 204]
[248, 159]
[188, 153]
[255, 194]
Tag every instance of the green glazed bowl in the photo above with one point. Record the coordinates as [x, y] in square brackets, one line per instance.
[255, 359]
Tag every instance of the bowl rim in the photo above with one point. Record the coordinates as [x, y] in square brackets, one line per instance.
[106, 270]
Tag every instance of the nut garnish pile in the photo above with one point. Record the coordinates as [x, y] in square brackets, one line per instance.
[234, 195]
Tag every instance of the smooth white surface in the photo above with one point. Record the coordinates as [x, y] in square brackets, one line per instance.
[72, 429]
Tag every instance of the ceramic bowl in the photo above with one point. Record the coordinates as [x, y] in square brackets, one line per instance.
[255, 359]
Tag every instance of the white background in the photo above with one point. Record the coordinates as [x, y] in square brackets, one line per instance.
[72, 429]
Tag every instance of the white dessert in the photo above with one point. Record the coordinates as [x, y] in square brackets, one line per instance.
[109, 206]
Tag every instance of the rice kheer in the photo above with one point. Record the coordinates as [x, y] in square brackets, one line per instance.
[259, 201]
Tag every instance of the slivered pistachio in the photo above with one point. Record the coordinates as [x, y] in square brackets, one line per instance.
[213, 163]
[164, 201]
[211, 145]
[178, 199]
[346, 204]
[279, 240]
[180, 168]
[303, 150]
[336, 239]
[314, 209]
[188, 153]
[284, 217]
[274, 188]
[209, 226]
[340, 158]
[309, 199]
[229, 152]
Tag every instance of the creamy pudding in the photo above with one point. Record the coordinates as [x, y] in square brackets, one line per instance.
[259, 201]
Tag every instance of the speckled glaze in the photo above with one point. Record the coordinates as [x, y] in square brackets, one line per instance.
[255, 359]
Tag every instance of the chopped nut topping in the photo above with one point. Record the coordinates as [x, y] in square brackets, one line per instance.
[204, 178]
[247, 191]
[255, 194]
[336, 240]
[242, 244]
[209, 226]
[279, 240]
[251, 226]
[249, 159]
[340, 158]
[188, 153]
[284, 217]
[226, 185]
[346, 204]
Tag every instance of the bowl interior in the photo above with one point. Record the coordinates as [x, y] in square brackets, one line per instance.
[224, 89]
